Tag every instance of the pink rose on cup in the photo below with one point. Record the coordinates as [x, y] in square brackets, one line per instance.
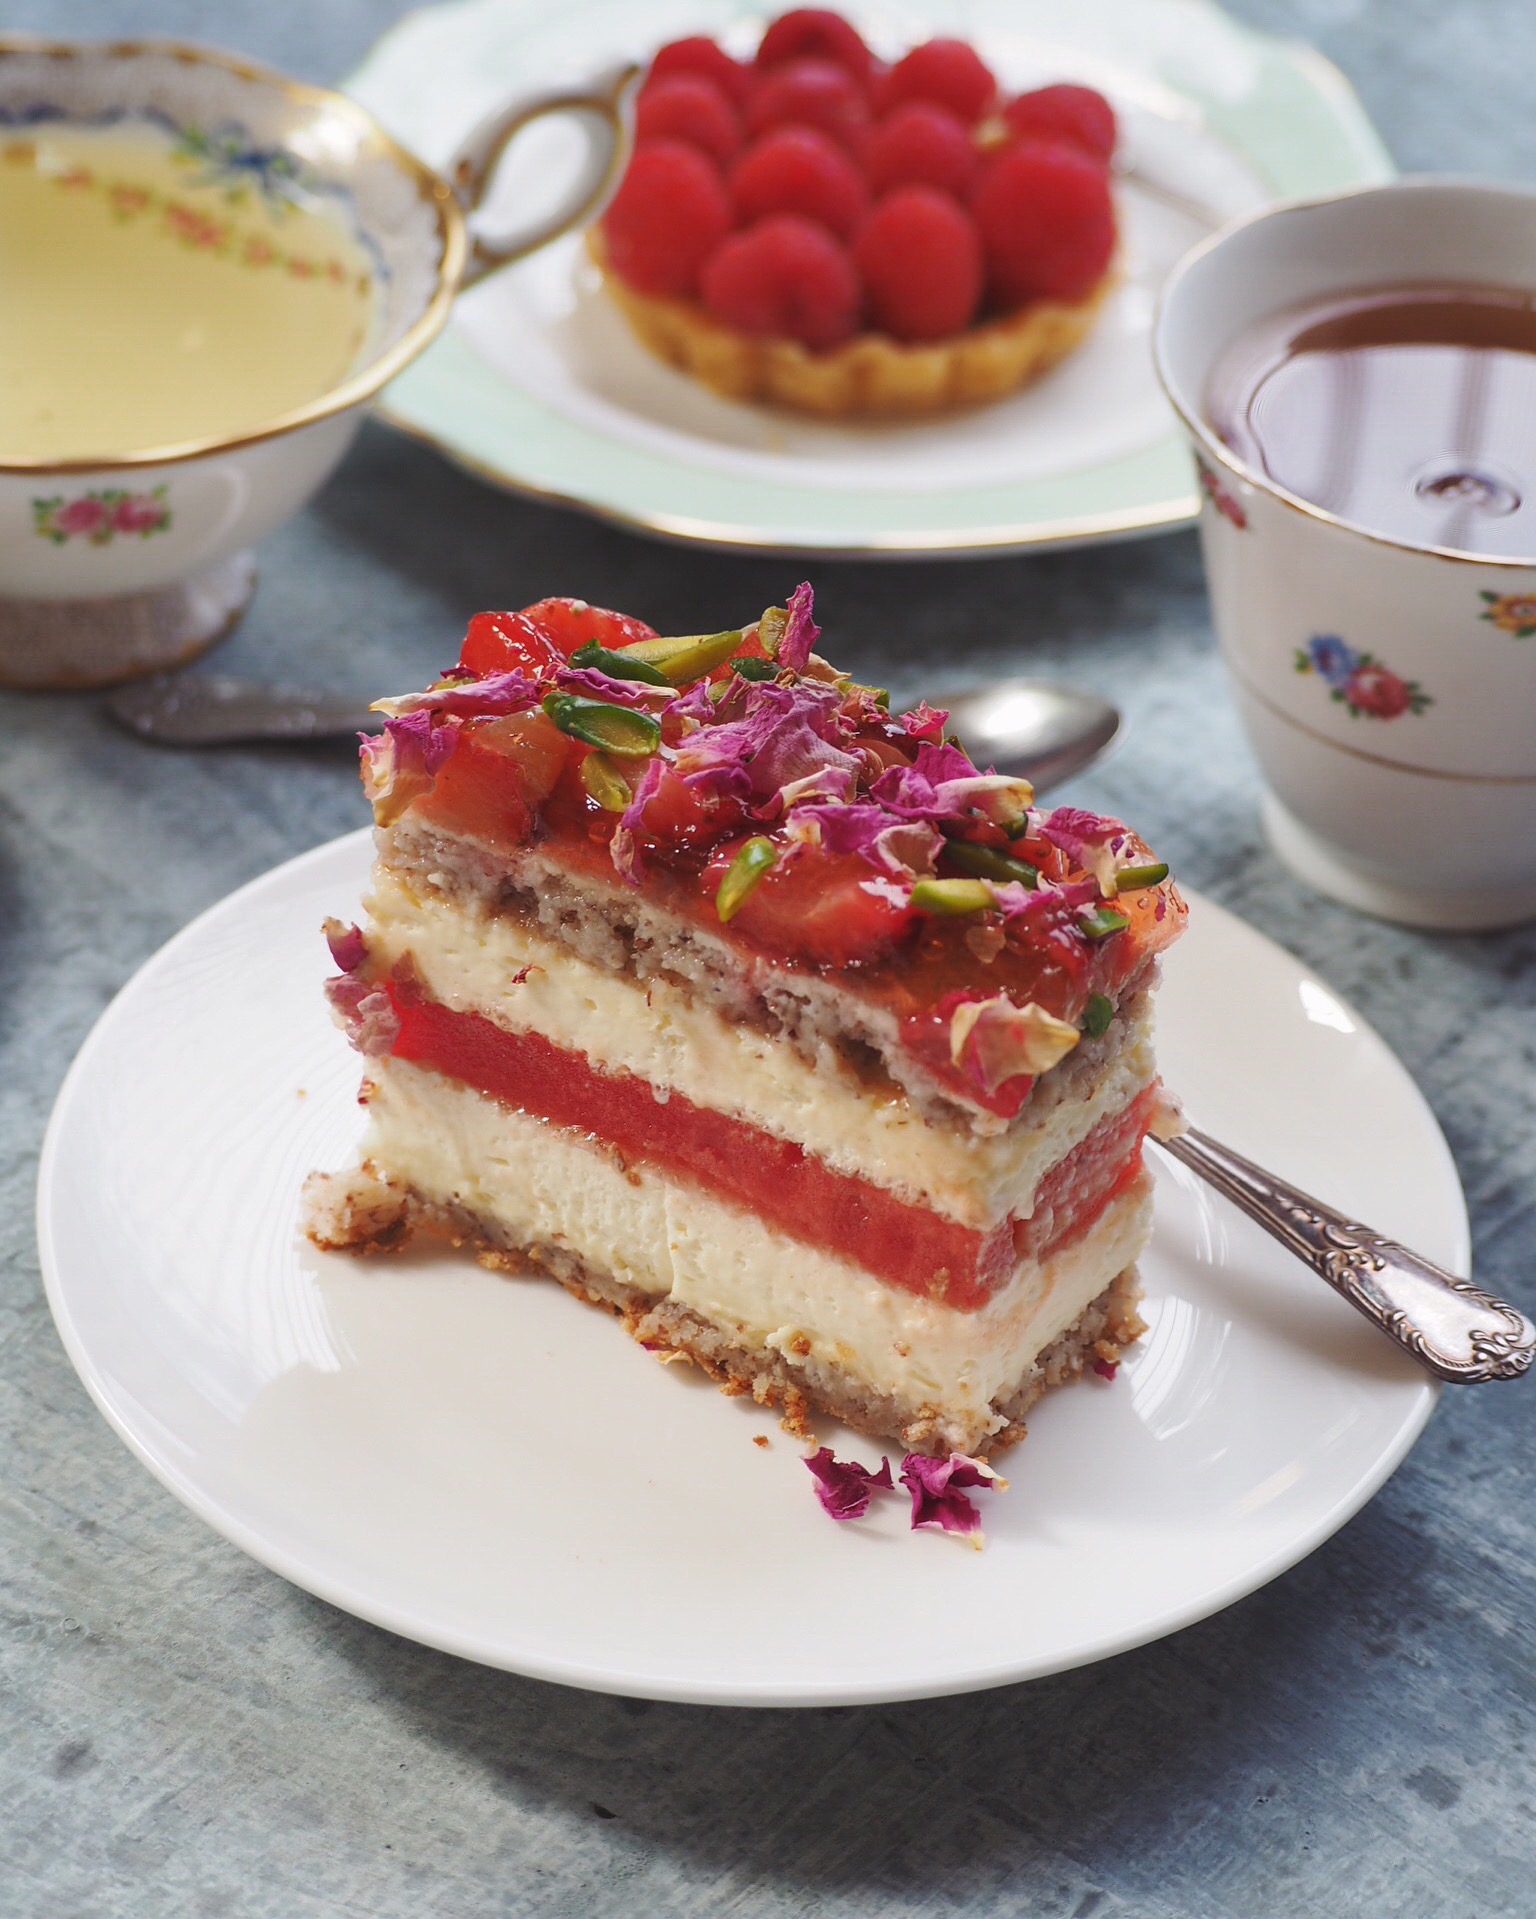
[99, 518]
[87, 515]
[1359, 682]
[141, 513]
[1377, 690]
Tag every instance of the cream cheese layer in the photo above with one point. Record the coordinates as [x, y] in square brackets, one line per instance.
[536, 1184]
[517, 976]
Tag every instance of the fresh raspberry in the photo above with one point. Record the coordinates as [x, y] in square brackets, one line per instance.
[815, 33]
[951, 73]
[922, 145]
[812, 93]
[1047, 223]
[699, 54]
[798, 170]
[920, 256]
[786, 277]
[1077, 115]
[672, 208]
[689, 107]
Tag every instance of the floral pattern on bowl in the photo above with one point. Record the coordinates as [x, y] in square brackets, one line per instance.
[98, 517]
[1513, 613]
[1358, 681]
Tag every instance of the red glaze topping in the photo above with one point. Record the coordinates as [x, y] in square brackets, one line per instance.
[743, 784]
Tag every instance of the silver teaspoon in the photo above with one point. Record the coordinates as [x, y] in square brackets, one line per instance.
[1032, 729]
[1455, 1329]
[1036, 731]
[209, 709]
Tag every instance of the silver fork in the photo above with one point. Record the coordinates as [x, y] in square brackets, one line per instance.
[1455, 1329]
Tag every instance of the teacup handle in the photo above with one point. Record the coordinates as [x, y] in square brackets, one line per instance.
[600, 108]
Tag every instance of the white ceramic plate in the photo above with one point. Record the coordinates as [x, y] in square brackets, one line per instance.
[484, 1465]
[538, 385]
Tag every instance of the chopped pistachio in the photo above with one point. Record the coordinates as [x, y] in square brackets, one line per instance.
[952, 896]
[743, 873]
[770, 629]
[988, 863]
[618, 666]
[681, 661]
[1097, 1014]
[605, 783]
[1101, 922]
[1130, 879]
[753, 669]
[615, 729]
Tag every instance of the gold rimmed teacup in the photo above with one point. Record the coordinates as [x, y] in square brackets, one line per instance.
[228, 264]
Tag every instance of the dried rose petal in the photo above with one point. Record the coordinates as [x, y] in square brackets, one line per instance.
[624, 848]
[496, 693]
[844, 1486]
[697, 704]
[783, 734]
[942, 784]
[400, 764]
[594, 684]
[925, 722]
[1089, 840]
[937, 1498]
[802, 632]
[365, 1013]
[1015, 900]
[899, 847]
[993, 1040]
[828, 784]
[346, 944]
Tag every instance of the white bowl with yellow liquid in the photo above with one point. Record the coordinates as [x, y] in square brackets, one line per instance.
[209, 270]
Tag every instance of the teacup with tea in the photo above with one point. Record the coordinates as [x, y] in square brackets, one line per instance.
[1358, 378]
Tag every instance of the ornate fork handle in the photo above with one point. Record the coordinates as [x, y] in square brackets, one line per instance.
[1449, 1325]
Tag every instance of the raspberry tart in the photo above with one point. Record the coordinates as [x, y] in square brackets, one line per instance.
[695, 979]
[834, 235]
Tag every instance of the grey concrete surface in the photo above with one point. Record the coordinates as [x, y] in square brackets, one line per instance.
[184, 1736]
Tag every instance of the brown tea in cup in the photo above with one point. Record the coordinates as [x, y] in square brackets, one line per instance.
[1408, 411]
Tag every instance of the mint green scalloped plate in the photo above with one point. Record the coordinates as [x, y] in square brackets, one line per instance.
[537, 385]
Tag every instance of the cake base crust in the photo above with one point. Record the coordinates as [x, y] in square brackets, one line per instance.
[365, 1212]
[872, 376]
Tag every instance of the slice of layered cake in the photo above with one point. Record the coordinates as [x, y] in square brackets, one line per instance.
[694, 978]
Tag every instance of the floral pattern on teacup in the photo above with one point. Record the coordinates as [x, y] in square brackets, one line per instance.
[1358, 681]
[231, 159]
[192, 225]
[1510, 612]
[99, 517]
[1220, 495]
